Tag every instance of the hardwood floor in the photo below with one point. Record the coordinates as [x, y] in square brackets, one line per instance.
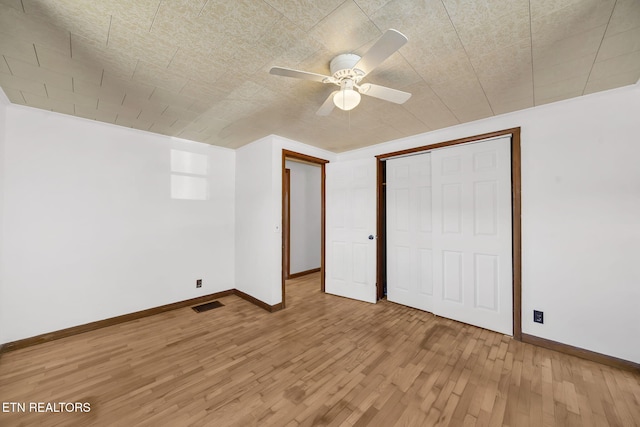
[324, 360]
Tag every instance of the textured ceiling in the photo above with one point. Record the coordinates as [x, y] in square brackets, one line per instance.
[198, 69]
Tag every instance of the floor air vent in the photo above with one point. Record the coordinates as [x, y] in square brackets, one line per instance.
[208, 306]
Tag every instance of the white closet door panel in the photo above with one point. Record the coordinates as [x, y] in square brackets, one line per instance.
[350, 220]
[472, 255]
[409, 232]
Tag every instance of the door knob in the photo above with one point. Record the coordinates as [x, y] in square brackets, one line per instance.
[371, 237]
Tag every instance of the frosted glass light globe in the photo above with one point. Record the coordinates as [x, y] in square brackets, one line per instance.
[346, 99]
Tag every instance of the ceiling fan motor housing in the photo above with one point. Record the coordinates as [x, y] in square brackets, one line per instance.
[342, 67]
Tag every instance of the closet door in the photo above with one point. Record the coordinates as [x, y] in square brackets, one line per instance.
[472, 234]
[409, 235]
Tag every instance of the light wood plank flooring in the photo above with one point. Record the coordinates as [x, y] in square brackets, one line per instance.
[325, 360]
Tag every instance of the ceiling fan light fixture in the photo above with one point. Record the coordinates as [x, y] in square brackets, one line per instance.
[346, 99]
[348, 70]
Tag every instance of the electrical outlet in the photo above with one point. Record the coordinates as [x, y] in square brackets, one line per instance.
[199, 283]
[538, 316]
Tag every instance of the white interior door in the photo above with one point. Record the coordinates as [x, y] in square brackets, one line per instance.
[350, 220]
[409, 234]
[472, 234]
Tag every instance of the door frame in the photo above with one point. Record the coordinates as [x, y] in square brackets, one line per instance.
[286, 224]
[304, 158]
[516, 213]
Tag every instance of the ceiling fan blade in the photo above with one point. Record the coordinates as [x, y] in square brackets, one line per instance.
[297, 74]
[327, 106]
[386, 93]
[386, 46]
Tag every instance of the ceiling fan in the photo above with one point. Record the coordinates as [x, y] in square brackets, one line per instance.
[348, 69]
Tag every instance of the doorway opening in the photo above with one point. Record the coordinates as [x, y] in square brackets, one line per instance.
[307, 253]
[381, 248]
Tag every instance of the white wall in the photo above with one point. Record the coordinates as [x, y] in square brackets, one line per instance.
[259, 215]
[91, 231]
[305, 221]
[256, 229]
[580, 216]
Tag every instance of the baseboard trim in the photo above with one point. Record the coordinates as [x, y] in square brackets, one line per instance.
[582, 353]
[75, 330]
[303, 273]
[256, 301]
